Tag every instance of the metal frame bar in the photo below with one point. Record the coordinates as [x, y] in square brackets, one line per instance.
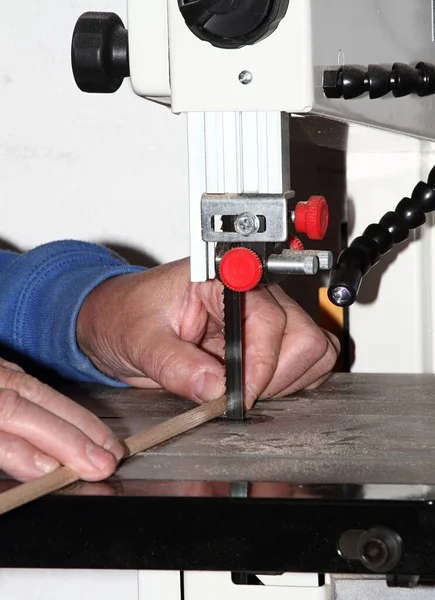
[231, 152]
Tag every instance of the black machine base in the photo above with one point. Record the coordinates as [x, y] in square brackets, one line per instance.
[336, 481]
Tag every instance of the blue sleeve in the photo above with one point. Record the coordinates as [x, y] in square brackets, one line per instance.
[41, 293]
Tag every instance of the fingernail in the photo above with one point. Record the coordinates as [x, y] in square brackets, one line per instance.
[250, 397]
[98, 457]
[114, 447]
[45, 463]
[207, 386]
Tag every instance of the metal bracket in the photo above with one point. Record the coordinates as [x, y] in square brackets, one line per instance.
[272, 207]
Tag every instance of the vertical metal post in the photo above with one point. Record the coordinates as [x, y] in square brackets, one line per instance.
[232, 152]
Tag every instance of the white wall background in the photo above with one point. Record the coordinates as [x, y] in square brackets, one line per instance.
[101, 168]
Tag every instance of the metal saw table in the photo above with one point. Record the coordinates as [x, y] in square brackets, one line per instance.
[273, 494]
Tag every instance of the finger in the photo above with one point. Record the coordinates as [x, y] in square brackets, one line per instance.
[321, 371]
[53, 436]
[180, 367]
[213, 341]
[325, 366]
[318, 383]
[33, 390]
[21, 460]
[334, 341]
[304, 346]
[211, 294]
[11, 366]
[264, 329]
[316, 375]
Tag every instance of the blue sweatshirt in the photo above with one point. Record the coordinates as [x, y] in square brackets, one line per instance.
[41, 293]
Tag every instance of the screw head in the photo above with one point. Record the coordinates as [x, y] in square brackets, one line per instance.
[245, 77]
[246, 224]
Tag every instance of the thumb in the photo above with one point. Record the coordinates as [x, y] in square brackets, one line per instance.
[183, 369]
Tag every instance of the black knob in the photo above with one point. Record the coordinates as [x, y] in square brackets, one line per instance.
[380, 549]
[232, 24]
[99, 53]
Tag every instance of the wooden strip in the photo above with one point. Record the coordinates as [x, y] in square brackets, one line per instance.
[149, 438]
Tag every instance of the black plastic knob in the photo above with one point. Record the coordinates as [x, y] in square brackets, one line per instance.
[232, 24]
[380, 549]
[99, 53]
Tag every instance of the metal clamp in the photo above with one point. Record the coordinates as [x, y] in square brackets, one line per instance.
[271, 209]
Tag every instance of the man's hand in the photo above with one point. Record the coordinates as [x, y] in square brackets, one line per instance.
[157, 329]
[41, 429]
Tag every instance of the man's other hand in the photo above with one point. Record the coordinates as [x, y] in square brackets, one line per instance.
[40, 429]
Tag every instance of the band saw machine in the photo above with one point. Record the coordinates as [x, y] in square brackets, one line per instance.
[342, 477]
[238, 70]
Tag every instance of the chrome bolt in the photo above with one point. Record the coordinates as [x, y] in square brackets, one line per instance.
[291, 262]
[245, 77]
[246, 224]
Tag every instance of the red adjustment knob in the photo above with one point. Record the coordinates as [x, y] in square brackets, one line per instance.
[240, 269]
[312, 217]
[295, 243]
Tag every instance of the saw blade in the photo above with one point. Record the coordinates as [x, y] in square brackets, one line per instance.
[233, 354]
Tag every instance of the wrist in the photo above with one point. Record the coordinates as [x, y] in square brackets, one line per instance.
[101, 323]
[87, 322]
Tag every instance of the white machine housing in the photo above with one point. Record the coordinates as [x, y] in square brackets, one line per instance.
[235, 140]
[287, 67]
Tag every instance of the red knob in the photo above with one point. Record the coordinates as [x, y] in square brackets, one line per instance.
[312, 217]
[240, 269]
[295, 243]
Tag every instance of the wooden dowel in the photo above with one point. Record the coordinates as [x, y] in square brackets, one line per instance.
[149, 438]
